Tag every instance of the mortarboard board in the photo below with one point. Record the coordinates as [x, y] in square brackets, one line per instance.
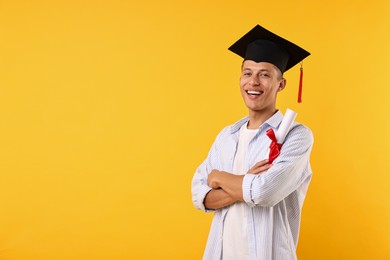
[261, 45]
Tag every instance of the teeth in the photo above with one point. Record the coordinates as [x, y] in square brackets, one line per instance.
[251, 92]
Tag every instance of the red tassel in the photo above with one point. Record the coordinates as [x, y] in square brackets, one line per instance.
[300, 85]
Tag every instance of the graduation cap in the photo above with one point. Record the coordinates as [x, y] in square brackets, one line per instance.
[261, 45]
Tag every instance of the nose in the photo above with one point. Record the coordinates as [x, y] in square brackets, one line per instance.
[254, 81]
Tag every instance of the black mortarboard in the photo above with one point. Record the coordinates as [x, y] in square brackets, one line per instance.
[261, 45]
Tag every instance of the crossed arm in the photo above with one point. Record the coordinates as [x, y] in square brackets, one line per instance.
[227, 187]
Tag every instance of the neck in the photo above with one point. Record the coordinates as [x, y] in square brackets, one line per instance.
[256, 119]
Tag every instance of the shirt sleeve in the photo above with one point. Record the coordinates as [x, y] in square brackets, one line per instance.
[199, 186]
[287, 174]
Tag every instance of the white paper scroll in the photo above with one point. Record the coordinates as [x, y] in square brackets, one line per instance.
[285, 125]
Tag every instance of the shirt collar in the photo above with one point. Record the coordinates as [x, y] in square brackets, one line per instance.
[273, 122]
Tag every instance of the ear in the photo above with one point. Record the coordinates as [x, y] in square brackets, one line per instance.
[282, 84]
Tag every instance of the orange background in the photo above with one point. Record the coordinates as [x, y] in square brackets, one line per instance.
[108, 107]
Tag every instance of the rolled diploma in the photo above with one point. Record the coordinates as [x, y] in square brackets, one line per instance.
[285, 125]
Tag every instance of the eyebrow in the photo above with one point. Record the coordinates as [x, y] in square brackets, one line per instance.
[262, 70]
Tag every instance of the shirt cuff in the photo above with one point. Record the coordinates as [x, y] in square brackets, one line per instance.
[204, 189]
[247, 189]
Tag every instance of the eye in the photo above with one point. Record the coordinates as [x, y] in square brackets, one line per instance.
[247, 74]
[264, 75]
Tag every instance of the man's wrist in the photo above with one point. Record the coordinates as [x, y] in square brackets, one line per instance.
[213, 179]
[219, 178]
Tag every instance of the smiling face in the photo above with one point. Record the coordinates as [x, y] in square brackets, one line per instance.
[259, 84]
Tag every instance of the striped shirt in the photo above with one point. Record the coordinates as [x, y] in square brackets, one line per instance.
[274, 199]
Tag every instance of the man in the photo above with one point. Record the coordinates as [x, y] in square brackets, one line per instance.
[257, 204]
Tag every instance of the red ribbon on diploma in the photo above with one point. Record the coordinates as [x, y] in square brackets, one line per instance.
[274, 148]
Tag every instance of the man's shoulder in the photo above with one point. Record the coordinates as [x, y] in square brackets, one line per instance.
[301, 131]
[232, 128]
[301, 127]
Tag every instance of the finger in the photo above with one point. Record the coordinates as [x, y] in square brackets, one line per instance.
[261, 163]
[260, 169]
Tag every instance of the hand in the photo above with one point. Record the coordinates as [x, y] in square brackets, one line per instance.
[260, 167]
[212, 179]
